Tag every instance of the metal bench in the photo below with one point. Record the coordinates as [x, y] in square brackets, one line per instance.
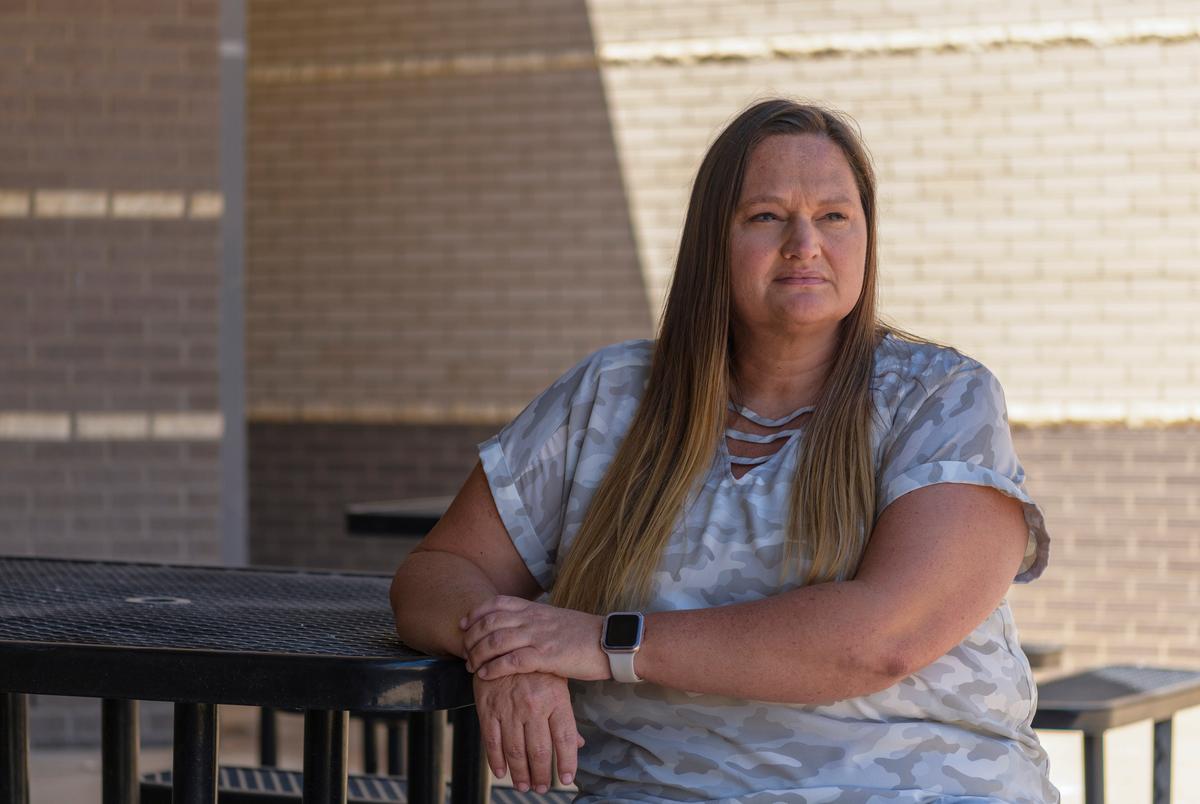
[395, 518]
[1096, 700]
[238, 785]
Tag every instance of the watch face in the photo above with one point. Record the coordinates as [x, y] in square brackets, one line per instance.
[622, 631]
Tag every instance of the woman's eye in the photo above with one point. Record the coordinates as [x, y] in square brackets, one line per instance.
[762, 216]
[836, 216]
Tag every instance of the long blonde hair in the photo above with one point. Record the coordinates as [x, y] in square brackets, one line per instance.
[681, 418]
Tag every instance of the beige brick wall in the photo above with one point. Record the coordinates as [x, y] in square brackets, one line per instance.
[636, 20]
[1039, 206]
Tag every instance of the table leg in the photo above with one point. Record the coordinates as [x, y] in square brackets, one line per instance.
[268, 753]
[370, 748]
[119, 751]
[14, 748]
[194, 770]
[397, 746]
[1093, 768]
[470, 779]
[325, 749]
[1162, 762]
[426, 735]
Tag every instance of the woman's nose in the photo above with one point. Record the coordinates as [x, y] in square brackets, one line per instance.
[802, 241]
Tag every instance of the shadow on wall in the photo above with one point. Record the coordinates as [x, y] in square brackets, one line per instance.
[437, 228]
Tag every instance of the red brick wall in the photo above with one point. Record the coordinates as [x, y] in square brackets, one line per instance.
[302, 476]
[1123, 509]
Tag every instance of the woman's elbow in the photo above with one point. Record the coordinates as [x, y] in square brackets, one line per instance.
[893, 667]
[396, 591]
[404, 604]
[901, 659]
[879, 666]
[862, 669]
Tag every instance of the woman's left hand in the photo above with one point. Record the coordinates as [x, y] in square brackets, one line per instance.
[509, 635]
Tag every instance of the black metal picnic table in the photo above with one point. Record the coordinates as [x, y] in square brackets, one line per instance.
[321, 642]
[1102, 698]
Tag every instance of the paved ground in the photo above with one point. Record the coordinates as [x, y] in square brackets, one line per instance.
[74, 775]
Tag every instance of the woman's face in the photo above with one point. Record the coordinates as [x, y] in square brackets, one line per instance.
[798, 243]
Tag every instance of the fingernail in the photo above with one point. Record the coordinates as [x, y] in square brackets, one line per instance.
[541, 788]
[524, 788]
[566, 778]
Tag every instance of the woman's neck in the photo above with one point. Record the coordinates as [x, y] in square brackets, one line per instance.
[775, 376]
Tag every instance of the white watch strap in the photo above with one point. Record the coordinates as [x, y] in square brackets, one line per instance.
[621, 665]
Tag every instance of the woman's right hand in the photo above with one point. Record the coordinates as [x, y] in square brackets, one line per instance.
[524, 719]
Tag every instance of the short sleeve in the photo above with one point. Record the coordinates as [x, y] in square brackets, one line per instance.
[543, 467]
[956, 431]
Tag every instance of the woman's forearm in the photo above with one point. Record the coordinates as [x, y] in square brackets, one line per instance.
[816, 644]
[431, 592]
[939, 562]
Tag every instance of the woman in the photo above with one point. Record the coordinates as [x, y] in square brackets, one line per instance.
[812, 520]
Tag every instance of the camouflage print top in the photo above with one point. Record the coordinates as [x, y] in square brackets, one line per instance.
[957, 730]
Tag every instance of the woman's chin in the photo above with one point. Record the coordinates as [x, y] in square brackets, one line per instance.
[806, 318]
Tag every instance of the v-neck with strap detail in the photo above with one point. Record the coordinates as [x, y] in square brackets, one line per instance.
[789, 435]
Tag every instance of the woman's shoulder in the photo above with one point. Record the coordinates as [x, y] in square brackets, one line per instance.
[600, 386]
[599, 394]
[910, 372]
[619, 368]
[636, 353]
[905, 363]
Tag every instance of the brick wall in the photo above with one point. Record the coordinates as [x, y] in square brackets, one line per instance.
[108, 344]
[1123, 509]
[304, 475]
[1038, 204]
[620, 21]
[110, 421]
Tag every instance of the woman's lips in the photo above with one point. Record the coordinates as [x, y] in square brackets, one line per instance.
[801, 280]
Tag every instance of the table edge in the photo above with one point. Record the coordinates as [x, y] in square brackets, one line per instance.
[295, 681]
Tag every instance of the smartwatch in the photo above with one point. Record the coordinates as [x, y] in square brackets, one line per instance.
[621, 640]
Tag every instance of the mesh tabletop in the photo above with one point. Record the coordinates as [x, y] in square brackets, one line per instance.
[197, 607]
[238, 621]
